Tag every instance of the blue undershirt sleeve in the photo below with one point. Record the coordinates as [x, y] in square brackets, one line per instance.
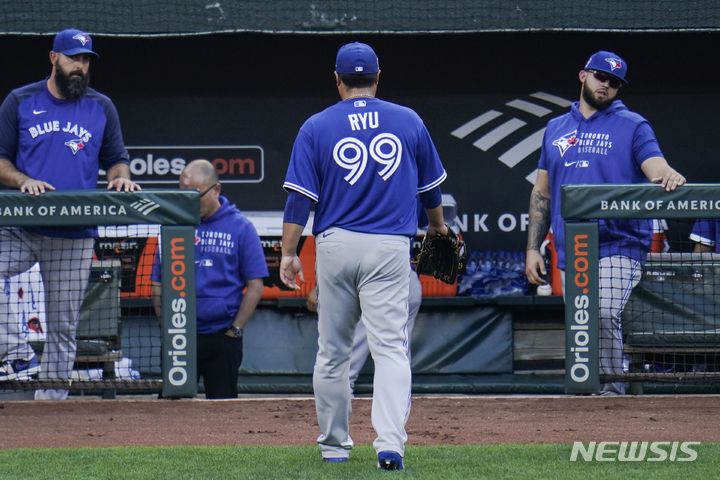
[297, 208]
[431, 199]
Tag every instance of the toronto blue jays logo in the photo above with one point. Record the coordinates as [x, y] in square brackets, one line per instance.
[75, 145]
[615, 63]
[566, 141]
[83, 38]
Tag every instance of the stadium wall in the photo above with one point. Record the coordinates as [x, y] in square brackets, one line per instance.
[255, 90]
[250, 90]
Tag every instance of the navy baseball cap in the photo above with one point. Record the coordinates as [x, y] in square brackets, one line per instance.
[356, 59]
[608, 62]
[72, 42]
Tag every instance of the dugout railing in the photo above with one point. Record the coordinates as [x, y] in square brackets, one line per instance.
[176, 212]
[671, 321]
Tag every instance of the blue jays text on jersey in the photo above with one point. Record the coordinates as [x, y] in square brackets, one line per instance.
[54, 126]
[608, 147]
[80, 136]
[215, 241]
[587, 142]
[363, 162]
[227, 254]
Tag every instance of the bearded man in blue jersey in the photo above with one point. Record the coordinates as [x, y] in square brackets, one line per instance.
[362, 162]
[55, 134]
[599, 141]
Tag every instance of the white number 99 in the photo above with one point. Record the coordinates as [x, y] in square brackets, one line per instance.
[355, 164]
[392, 158]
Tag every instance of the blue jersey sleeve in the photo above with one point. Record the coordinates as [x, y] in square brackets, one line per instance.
[430, 170]
[645, 145]
[113, 149]
[705, 231]
[9, 128]
[302, 172]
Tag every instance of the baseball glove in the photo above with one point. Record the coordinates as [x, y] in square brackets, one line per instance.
[441, 256]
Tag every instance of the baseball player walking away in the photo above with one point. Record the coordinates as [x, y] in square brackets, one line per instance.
[360, 346]
[54, 135]
[362, 162]
[599, 141]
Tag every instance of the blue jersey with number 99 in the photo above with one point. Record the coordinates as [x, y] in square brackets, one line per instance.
[363, 161]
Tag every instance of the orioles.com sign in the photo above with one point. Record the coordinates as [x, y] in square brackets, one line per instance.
[163, 165]
[582, 309]
[178, 374]
[179, 355]
[178, 312]
[580, 333]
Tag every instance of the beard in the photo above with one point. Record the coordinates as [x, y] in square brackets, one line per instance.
[597, 104]
[73, 85]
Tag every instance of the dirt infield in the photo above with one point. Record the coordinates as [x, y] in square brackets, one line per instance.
[433, 420]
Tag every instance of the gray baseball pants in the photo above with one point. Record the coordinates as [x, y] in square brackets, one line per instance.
[65, 267]
[618, 276]
[362, 277]
[361, 348]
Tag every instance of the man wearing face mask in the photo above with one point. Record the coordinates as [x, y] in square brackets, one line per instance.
[55, 134]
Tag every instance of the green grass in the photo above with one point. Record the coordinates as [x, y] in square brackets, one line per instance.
[524, 462]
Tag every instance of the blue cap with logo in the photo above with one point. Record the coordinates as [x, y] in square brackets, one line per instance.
[73, 42]
[356, 59]
[608, 62]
